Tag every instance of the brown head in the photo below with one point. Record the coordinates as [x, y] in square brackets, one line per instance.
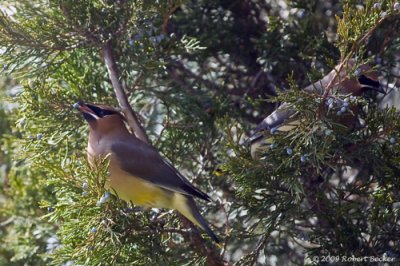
[101, 118]
[366, 79]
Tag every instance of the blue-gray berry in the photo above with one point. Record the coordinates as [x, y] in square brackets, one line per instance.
[39, 136]
[93, 230]
[75, 105]
[103, 198]
[301, 13]
[289, 151]
[392, 140]
[343, 109]
[377, 5]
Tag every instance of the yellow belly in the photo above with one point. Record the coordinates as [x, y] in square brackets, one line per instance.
[138, 191]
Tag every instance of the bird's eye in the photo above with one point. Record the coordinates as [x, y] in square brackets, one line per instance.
[106, 112]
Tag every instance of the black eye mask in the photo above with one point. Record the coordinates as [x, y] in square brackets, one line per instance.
[101, 112]
[370, 84]
[367, 82]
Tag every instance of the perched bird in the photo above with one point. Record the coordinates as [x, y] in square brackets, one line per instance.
[340, 83]
[138, 173]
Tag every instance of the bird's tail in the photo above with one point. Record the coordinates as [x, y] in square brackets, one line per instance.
[186, 206]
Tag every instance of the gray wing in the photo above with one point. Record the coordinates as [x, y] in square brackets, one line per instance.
[143, 161]
[275, 119]
[285, 111]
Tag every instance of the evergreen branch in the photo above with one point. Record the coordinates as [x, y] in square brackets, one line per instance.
[79, 30]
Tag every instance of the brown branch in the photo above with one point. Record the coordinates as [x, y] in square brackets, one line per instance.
[167, 18]
[122, 98]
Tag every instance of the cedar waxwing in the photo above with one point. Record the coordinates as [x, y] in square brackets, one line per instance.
[365, 79]
[138, 173]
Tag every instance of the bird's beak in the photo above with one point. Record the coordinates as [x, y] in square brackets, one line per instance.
[87, 112]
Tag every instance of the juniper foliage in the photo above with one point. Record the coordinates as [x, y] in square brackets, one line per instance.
[201, 75]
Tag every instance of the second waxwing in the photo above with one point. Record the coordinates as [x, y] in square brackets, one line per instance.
[338, 79]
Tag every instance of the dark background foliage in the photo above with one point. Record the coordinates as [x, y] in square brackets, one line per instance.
[200, 75]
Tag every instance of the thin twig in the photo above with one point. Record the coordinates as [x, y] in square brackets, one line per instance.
[136, 83]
